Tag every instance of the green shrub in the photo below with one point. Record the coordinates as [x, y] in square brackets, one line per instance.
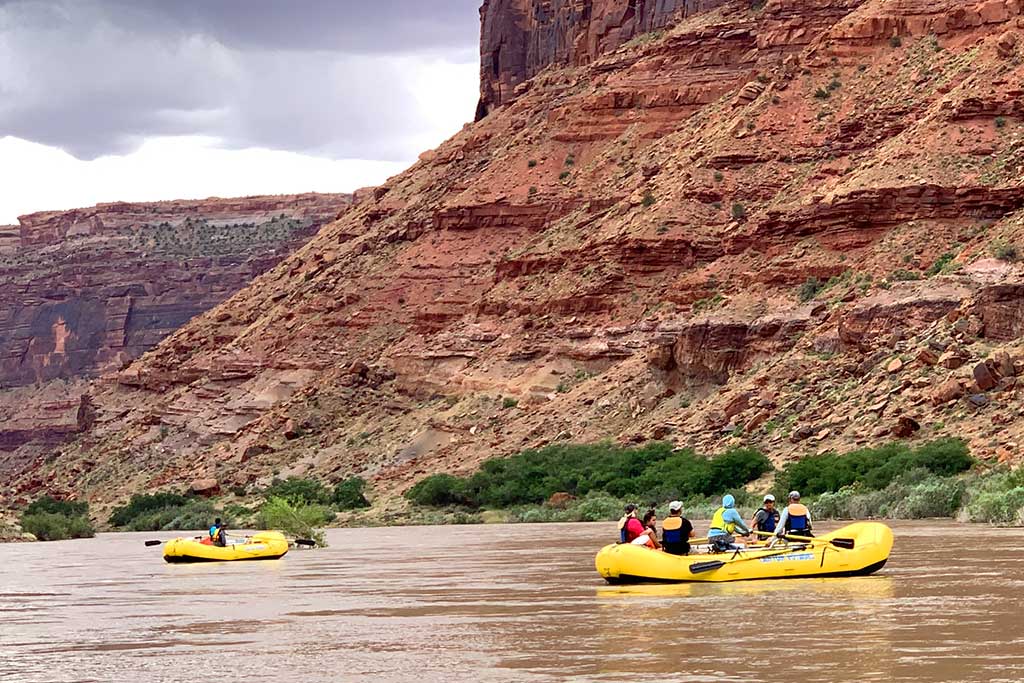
[532, 163]
[998, 507]
[901, 275]
[564, 175]
[873, 468]
[49, 519]
[144, 503]
[348, 494]
[299, 491]
[940, 264]
[300, 521]
[648, 199]
[53, 526]
[1005, 251]
[739, 212]
[509, 402]
[437, 490]
[654, 472]
[196, 514]
[822, 94]
[1000, 122]
[895, 41]
[51, 505]
[810, 288]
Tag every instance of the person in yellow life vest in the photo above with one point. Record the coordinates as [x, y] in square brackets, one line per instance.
[724, 524]
[795, 519]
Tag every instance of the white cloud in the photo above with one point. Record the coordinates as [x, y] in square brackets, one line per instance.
[36, 177]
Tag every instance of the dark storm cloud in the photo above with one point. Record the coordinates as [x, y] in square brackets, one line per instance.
[329, 78]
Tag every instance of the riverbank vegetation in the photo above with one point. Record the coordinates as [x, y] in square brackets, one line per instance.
[589, 483]
[294, 505]
[55, 520]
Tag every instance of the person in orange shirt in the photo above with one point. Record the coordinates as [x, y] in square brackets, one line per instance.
[795, 519]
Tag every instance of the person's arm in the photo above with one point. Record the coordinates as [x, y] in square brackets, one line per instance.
[809, 525]
[693, 534]
[654, 537]
[780, 528]
[738, 521]
[753, 520]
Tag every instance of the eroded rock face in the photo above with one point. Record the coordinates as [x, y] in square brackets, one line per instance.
[89, 290]
[766, 225]
[520, 38]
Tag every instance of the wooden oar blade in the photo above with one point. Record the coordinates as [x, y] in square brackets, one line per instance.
[701, 567]
[152, 543]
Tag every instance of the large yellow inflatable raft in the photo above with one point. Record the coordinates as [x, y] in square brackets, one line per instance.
[265, 545]
[855, 550]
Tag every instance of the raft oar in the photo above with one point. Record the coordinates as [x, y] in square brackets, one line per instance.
[306, 542]
[150, 544]
[844, 543]
[701, 567]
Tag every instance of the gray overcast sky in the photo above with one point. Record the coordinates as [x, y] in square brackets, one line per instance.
[329, 81]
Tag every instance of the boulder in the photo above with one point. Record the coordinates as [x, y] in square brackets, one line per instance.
[737, 404]
[927, 356]
[984, 377]
[905, 426]
[978, 400]
[894, 366]
[950, 390]
[205, 487]
[560, 500]
[953, 359]
[1003, 363]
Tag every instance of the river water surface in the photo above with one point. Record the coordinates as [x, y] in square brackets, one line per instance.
[503, 603]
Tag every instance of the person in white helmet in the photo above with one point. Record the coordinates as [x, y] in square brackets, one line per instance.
[766, 518]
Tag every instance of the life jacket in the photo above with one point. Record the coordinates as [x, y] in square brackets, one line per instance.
[623, 532]
[718, 521]
[672, 530]
[768, 525]
[214, 530]
[798, 517]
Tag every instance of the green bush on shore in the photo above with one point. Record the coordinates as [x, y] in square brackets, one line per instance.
[872, 468]
[348, 494]
[49, 519]
[653, 471]
[301, 521]
[143, 504]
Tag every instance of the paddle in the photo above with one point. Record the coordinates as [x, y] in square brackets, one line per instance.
[844, 543]
[150, 544]
[701, 567]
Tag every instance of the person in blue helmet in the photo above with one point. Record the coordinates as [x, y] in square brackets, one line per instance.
[725, 522]
[218, 533]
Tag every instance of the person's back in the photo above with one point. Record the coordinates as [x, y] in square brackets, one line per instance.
[676, 531]
[217, 533]
[796, 518]
[724, 523]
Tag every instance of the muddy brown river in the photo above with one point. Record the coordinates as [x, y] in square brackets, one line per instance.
[503, 603]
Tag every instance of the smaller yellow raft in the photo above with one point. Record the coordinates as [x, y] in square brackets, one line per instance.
[855, 550]
[265, 545]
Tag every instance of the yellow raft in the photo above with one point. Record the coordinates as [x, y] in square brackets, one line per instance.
[265, 545]
[855, 550]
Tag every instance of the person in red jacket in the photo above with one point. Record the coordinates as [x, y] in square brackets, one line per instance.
[629, 526]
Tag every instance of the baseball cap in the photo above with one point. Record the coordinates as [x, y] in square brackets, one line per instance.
[769, 497]
[794, 495]
[675, 506]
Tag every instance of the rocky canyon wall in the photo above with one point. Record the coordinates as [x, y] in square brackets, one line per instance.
[88, 291]
[794, 224]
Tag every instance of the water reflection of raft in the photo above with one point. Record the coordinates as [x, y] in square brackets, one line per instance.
[265, 545]
[871, 544]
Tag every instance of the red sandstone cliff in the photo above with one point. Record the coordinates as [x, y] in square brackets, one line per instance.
[90, 290]
[790, 224]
